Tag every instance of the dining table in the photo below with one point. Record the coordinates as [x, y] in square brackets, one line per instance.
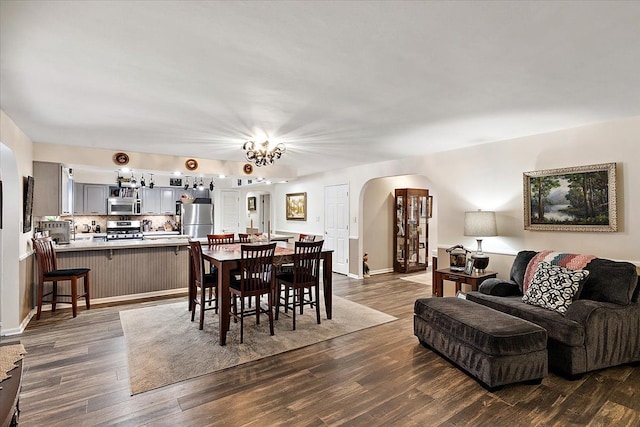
[226, 257]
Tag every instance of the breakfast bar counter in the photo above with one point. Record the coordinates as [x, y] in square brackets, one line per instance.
[128, 269]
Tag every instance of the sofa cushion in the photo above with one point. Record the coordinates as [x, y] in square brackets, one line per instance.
[519, 267]
[558, 327]
[553, 287]
[610, 281]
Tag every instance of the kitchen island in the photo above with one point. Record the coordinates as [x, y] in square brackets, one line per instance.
[128, 269]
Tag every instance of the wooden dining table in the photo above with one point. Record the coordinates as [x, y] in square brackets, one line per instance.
[227, 258]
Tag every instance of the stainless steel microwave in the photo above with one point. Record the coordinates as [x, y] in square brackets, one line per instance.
[120, 206]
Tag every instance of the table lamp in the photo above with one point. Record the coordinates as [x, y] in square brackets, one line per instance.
[480, 224]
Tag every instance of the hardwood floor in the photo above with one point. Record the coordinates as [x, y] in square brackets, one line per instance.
[76, 374]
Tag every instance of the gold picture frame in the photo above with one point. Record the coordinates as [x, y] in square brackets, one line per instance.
[581, 198]
[297, 207]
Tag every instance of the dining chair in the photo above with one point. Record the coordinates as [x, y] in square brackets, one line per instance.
[48, 271]
[220, 239]
[202, 282]
[243, 237]
[306, 238]
[304, 276]
[255, 279]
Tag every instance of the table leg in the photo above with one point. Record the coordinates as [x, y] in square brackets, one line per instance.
[327, 282]
[224, 298]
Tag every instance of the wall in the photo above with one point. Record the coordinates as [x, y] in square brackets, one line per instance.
[16, 162]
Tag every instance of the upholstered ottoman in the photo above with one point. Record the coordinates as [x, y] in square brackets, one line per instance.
[491, 346]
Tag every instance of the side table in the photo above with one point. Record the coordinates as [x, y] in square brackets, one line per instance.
[474, 279]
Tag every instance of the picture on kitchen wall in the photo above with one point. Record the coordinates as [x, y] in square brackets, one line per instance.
[297, 206]
[581, 198]
[251, 203]
[27, 204]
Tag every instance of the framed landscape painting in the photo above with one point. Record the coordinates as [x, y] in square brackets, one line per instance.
[297, 206]
[581, 198]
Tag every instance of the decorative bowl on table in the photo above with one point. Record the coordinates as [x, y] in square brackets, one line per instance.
[187, 199]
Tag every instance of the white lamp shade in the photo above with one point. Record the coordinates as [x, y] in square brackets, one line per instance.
[480, 224]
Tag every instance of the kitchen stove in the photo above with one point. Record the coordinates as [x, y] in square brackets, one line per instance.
[117, 230]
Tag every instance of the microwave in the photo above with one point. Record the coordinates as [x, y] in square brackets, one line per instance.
[120, 206]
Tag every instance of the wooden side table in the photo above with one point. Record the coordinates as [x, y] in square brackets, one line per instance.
[474, 279]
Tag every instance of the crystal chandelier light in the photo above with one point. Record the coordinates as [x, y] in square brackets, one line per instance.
[261, 153]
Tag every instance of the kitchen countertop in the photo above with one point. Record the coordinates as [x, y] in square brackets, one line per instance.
[96, 245]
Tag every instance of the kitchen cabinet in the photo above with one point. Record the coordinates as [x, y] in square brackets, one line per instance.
[411, 236]
[150, 200]
[95, 199]
[52, 190]
[168, 199]
[78, 198]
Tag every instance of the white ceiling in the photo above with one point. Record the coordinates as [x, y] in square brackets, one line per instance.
[341, 83]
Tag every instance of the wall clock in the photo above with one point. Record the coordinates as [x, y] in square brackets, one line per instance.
[191, 164]
[247, 168]
[121, 159]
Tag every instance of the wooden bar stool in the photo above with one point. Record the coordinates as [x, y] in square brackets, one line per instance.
[48, 272]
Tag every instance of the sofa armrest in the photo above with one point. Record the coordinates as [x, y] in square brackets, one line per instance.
[499, 288]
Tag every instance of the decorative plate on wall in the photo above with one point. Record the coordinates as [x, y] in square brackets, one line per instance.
[121, 159]
[247, 168]
[191, 164]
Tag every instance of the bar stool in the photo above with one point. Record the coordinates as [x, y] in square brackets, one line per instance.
[48, 272]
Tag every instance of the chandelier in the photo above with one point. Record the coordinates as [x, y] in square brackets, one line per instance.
[261, 154]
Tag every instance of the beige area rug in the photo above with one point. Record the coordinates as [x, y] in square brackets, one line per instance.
[165, 347]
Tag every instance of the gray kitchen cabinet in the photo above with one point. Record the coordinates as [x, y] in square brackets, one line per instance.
[52, 190]
[150, 201]
[95, 199]
[168, 199]
[78, 198]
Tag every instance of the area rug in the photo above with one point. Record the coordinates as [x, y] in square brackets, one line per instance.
[165, 347]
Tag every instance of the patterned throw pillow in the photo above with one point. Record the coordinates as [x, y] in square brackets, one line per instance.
[553, 287]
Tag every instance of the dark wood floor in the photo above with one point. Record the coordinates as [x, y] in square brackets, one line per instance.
[76, 374]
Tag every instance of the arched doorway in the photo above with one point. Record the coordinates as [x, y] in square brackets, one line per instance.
[377, 219]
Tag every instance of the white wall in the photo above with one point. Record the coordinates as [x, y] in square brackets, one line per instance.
[16, 162]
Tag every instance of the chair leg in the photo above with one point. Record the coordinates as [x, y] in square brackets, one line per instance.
[203, 294]
[293, 308]
[193, 306]
[257, 308]
[39, 298]
[270, 305]
[317, 290]
[74, 295]
[86, 292]
[241, 320]
[54, 296]
[277, 296]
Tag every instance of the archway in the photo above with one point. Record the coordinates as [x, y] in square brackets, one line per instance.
[377, 219]
[9, 243]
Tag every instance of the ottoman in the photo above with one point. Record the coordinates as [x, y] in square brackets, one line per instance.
[493, 347]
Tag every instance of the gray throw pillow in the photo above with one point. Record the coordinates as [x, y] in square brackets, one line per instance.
[553, 287]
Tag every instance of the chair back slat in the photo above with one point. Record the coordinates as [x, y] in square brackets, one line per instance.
[306, 262]
[197, 262]
[306, 238]
[45, 254]
[220, 239]
[256, 267]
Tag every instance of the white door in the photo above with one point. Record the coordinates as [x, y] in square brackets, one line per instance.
[265, 213]
[230, 211]
[336, 223]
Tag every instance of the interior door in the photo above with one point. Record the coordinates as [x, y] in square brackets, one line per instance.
[230, 211]
[336, 222]
[265, 213]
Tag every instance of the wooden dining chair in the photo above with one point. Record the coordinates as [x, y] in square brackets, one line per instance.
[220, 239]
[304, 276]
[306, 238]
[255, 279]
[48, 271]
[201, 283]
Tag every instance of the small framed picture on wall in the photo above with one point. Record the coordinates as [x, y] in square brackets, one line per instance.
[251, 203]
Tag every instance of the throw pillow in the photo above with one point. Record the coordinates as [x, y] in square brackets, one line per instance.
[553, 287]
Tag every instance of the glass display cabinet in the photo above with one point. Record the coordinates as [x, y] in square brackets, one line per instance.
[411, 237]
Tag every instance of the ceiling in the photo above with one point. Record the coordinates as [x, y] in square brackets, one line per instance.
[341, 83]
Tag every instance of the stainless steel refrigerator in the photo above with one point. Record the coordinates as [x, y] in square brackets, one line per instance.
[197, 219]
